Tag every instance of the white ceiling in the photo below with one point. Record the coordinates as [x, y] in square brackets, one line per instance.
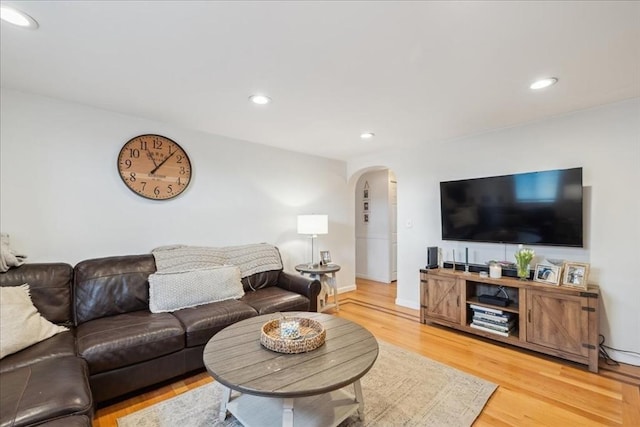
[411, 72]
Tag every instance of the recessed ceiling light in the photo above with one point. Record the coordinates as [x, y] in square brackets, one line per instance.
[260, 99]
[542, 83]
[367, 135]
[16, 17]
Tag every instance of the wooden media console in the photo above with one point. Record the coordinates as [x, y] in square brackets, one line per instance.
[559, 321]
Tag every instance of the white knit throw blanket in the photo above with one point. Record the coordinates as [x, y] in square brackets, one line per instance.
[8, 257]
[251, 259]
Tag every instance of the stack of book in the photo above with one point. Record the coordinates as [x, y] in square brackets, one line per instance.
[493, 320]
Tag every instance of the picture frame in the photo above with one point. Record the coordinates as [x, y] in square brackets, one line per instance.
[548, 273]
[365, 206]
[576, 274]
[365, 194]
[366, 217]
[325, 258]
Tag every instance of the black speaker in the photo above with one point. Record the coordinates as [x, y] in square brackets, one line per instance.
[432, 257]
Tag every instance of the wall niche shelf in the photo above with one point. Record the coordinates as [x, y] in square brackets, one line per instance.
[559, 321]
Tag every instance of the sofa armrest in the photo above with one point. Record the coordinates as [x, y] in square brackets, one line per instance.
[301, 285]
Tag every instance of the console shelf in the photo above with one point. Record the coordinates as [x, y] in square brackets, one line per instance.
[557, 320]
[509, 308]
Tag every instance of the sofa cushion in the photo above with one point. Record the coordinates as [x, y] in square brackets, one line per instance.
[21, 325]
[129, 338]
[175, 291]
[260, 280]
[46, 390]
[113, 285]
[50, 288]
[274, 299]
[59, 345]
[202, 322]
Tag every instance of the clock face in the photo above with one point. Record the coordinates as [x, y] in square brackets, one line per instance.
[154, 167]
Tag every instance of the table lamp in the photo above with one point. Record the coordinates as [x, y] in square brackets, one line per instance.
[313, 225]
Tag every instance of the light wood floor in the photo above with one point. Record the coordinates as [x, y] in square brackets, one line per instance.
[533, 390]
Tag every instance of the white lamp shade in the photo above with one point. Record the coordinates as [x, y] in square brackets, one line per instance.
[313, 224]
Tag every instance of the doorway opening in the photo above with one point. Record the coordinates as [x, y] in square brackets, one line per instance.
[376, 228]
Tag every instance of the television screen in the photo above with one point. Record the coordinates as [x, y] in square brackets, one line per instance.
[537, 208]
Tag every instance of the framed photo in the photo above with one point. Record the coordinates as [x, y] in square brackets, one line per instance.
[365, 193]
[366, 217]
[366, 206]
[325, 257]
[549, 274]
[576, 274]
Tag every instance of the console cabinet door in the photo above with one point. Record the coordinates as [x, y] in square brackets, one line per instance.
[558, 321]
[443, 298]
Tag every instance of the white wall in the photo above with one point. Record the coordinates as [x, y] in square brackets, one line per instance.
[61, 198]
[605, 141]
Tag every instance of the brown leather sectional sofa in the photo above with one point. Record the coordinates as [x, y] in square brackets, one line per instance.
[115, 344]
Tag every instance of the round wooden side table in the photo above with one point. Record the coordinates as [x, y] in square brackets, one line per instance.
[327, 276]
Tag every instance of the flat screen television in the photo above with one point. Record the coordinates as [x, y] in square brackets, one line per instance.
[537, 208]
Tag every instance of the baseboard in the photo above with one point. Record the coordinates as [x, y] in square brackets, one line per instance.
[408, 303]
[373, 278]
[624, 357]
[343, 289]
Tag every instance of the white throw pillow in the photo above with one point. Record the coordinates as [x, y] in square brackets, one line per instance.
[175, 291]
[21, 325]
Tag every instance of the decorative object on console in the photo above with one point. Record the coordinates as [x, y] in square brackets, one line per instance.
[495, 270]
[523, 260]
[454, 258]
[154, 167]
[547, 273]
[466, 261]
[313, 225]
[576, 274]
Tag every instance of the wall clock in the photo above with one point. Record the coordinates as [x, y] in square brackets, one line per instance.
[154, 167]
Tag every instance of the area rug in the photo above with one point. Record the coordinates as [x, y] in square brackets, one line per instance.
[402, 389]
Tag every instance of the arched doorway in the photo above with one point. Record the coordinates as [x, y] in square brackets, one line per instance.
[376, 228]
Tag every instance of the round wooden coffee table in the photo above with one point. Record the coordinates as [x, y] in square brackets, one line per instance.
[285, 389]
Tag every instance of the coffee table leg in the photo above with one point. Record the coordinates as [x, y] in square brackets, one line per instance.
[226, 394]
[359, 399]
[287, 412]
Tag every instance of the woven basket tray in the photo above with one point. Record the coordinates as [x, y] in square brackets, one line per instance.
[312, 335]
